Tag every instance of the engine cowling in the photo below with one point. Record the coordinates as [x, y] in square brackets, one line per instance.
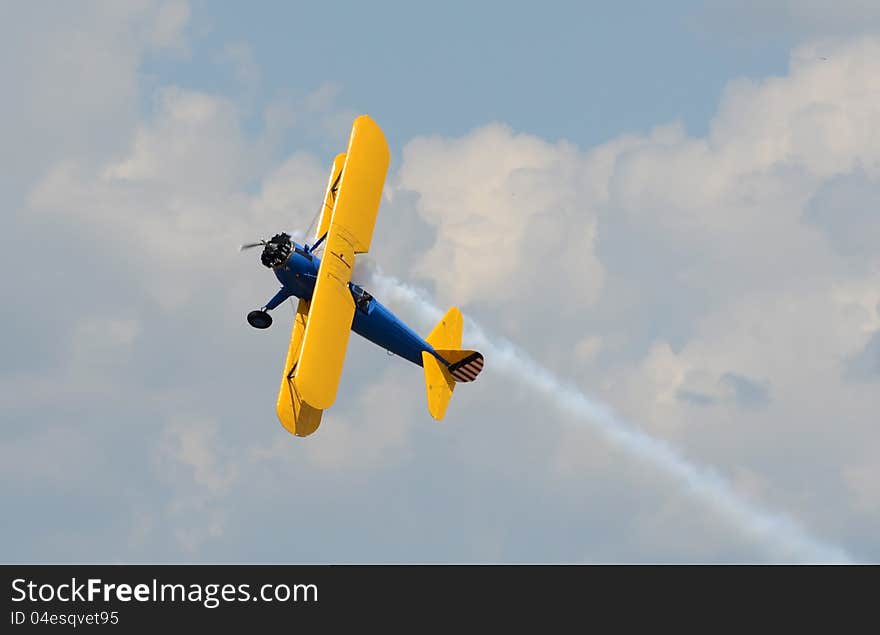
[277, 251]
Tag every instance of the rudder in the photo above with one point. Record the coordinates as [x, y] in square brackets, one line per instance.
[464, 366]
[447, 333]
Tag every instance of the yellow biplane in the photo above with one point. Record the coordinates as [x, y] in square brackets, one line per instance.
[330, 305]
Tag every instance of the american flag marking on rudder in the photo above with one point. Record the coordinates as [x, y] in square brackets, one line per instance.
[467, 369]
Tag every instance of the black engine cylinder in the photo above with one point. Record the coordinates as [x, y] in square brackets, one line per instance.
[277, 251]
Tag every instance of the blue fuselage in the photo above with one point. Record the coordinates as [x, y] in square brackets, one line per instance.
[371, 320]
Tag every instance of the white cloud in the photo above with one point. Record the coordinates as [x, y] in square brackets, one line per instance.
[74, 70]
[193, 144]
[724, 314]
[103, 341]
[367, 434]
[168, 22]
[191, 442]
[194, 465]
[864, 483]
[502, 203]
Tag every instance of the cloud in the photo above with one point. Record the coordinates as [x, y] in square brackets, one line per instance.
[78, 93]
[727, 302]
[866, 363]
[500, 203]
[703, 388]
[239, 60]
[189, 443]
[747, 393]
[195, 134]
[847, 210]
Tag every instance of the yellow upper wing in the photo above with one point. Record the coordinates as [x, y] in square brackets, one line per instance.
[296, 416]
[350, 232]
[360, 187]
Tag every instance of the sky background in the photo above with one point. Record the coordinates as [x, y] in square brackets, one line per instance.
[674, 209]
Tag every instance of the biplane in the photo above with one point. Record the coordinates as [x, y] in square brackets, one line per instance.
[331, 305]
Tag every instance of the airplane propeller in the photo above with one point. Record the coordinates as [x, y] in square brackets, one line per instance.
[251, 245]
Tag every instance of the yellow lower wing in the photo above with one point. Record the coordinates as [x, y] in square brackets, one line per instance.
[296, 416]
[328, 328]
[350, 232]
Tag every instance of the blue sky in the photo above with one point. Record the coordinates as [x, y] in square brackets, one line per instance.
[580, 71]
[668, 210]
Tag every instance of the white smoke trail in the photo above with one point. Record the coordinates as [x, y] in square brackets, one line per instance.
[782, 537]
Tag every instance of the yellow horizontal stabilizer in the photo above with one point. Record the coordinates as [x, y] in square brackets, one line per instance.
[350, 232]
[296, 416]
[439, 385]
[330, 195]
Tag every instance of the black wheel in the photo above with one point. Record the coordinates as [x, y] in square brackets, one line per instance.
[259, 319]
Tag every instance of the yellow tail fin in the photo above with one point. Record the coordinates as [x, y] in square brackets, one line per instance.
[460, 366]
[447, 333]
